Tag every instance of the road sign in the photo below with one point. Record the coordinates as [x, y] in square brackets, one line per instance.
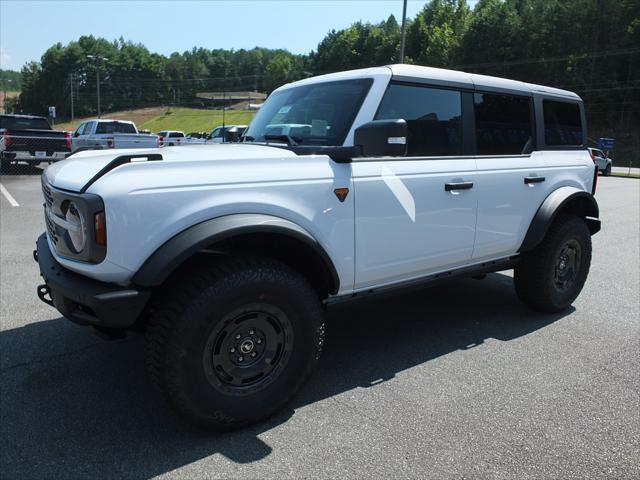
[606, 143]
[52, 112]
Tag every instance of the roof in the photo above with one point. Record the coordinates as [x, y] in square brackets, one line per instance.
[444, 77]
[473, 80]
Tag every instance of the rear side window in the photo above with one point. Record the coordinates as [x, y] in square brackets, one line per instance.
[562, 123]
[176, 135]
[115, 127]
[503, 124]
[433, 116]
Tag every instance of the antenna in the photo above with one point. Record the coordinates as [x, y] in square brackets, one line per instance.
[224, 130]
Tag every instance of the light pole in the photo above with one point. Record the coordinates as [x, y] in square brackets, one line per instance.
[104, 59]
[4, 94]
[404, 30]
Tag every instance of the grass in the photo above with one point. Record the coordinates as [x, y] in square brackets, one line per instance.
[156, 119]
[194, 120]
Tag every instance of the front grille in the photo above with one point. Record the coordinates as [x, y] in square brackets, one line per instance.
[46, 191]
[48, 198]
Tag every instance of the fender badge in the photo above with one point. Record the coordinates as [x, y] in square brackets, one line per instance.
[341, 193]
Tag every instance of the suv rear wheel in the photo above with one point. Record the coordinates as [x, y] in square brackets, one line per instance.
[232, 342]
[550, 278]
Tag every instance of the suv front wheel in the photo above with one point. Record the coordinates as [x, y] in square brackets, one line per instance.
[232, 341]
[550, 277]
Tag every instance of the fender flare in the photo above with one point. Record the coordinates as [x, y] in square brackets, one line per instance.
[157, 268]
[569, 199]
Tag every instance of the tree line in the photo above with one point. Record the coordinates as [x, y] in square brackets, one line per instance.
[591, 47]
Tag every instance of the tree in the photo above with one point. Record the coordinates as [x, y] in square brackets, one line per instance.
[278, 72]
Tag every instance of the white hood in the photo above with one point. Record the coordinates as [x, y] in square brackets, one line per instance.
[82, 168]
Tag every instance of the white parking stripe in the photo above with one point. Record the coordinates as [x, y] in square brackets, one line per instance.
[8, 196]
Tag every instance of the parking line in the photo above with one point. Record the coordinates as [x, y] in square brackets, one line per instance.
[8, 196]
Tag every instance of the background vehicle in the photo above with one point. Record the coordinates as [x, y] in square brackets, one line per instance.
[602, 161]
[170, 138]
[220, 134]
[406, 176]
[30, 139]
[100, 134]
[196, 136]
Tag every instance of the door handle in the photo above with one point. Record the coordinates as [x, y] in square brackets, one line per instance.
[458, 186]
[528, 180]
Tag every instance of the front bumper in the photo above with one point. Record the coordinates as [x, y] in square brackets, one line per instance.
[84, 300]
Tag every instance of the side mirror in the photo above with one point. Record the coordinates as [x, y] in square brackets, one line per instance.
[76, 134]
[231, 136]
[382, 138]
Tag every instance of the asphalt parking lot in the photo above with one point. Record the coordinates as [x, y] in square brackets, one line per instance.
[457, 381]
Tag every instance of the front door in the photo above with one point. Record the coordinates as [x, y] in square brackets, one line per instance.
[416, 215]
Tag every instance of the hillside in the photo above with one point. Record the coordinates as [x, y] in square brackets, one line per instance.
[156, 119]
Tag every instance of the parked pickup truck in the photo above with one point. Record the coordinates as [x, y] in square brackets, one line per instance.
[101, 134]
[30, 139]
[228, 256]
[171, 138]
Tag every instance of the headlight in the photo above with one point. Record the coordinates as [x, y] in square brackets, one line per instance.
[76, 224]
[77, 229]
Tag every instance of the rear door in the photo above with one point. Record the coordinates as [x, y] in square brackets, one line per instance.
[512, 176]
[416, 215]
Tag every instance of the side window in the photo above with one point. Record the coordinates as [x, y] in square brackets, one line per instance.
[433, 116]
[562, 123]
[503, 124]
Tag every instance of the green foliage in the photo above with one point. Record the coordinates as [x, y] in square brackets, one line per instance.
[591, 47]
[10, 80]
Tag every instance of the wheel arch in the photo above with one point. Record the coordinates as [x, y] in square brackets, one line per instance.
[266, 234]
[565, 200]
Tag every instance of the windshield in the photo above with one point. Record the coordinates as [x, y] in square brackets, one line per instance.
[316, 114]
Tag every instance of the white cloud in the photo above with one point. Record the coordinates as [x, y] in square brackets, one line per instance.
[5, 59]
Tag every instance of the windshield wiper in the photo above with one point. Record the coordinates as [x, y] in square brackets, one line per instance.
[286, 138]
[248, 138]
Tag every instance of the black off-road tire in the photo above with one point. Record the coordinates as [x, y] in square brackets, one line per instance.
[607, 171]
[540, 281]
[195, 318]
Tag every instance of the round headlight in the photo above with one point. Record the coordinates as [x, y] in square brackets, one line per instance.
[77, 229]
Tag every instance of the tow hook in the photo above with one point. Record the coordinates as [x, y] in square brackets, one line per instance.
[44, 294]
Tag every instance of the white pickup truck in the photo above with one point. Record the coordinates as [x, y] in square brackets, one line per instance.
[395, 178]
[100, 134]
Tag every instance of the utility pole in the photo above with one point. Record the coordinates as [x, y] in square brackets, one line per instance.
[98, 89]
[404, 30]
[71, 91]
[104, 59]
[5, 105]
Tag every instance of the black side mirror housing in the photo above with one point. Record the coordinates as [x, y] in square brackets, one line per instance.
[382, 138]
[231, 136]
[76, 134]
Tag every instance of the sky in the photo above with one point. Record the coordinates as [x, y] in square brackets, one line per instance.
[28, 28]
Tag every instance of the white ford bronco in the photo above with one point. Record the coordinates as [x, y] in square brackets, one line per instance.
[345, 186]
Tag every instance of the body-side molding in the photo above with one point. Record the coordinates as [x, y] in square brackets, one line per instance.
[569, 199]
[179, 248]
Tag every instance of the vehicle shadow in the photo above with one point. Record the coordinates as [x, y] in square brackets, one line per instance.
[93, 412]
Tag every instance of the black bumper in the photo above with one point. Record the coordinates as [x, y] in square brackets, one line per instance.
[84, 300]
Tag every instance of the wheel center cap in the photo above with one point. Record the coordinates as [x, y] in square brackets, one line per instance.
[246, 346]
